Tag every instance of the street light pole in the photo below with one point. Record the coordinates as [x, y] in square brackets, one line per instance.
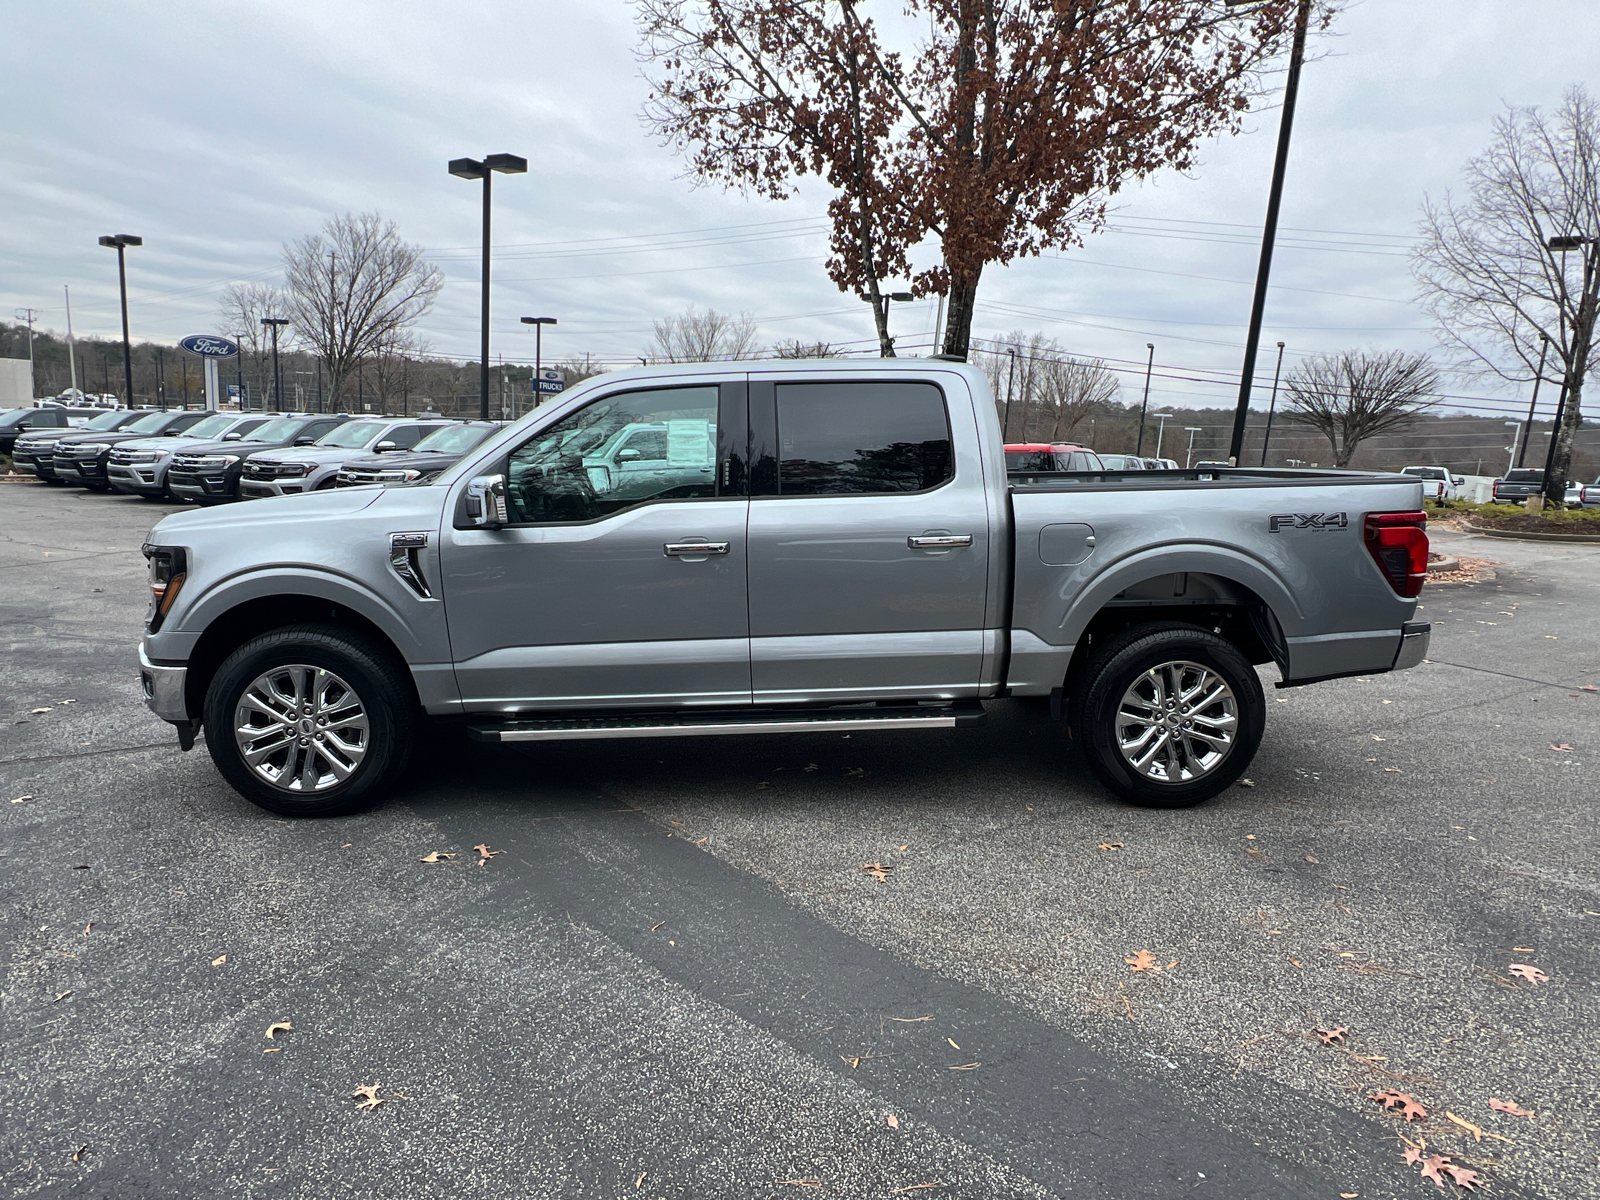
[538, 324]
[1511, 450]
[471, 168]
[120, 242]
[1269, 235]
[1011, 379]
[1149, 363]
[1273, 406]
[1161, 430]
[1527, 430]
[277, 376]
[1188, 458]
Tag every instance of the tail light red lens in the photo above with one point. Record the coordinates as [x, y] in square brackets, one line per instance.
[1399, 545]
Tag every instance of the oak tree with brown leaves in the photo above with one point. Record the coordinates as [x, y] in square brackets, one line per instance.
[998, 128]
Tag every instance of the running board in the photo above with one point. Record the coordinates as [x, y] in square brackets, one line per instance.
[657, 725]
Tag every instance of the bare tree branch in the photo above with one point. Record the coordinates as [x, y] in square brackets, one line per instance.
[1354, 395]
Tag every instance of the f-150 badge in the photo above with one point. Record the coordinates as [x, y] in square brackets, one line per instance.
[1307, 521]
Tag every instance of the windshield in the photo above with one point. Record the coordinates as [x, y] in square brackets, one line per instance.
[453, 439]
[107, 420]
[1425, 472]
[150, 424]
[211, 427]
[280, 430]
[8, 419]
[353, 435]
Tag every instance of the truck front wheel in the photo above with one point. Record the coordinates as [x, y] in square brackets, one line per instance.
[309, 721]
[1168, 716]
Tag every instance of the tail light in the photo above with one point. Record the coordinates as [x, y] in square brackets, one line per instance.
[1399, 545]
[168, 569]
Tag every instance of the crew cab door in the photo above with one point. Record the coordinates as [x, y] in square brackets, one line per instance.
[869, 544]
[619, 579]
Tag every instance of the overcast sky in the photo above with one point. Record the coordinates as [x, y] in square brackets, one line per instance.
[217, 132]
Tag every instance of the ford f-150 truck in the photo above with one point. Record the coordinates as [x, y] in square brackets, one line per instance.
[771, 547]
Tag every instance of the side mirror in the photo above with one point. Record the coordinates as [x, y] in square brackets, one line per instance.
[627, 455]
[1457, 480]
[386, 445]
[486, 502]
[233, 437]
[305, 441]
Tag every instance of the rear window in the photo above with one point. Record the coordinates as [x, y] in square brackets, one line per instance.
[1080, 460]
[453, 439]
[351, 436]
[1424, 472]
[861, 438]
[280, 430]
[1030, 460]
[150, 423]
[1525, 475]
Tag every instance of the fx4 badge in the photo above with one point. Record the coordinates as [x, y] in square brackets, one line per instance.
[1306, 521]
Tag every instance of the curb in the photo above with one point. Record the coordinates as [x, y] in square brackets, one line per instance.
[1516, 536]
[1447, 563]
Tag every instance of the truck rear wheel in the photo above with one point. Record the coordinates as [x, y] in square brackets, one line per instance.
[1168, 716]
[309, 721]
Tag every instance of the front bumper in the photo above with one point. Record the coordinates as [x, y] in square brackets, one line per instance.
[165, 689]
[89, 471]
[203, 487]
[139, 479]
[256, 489]
[1414, 638]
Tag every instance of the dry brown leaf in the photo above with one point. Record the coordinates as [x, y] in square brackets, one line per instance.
[1331, 1037]
[21, 799]
[1561, 746]
[657, 926]
[1531, 973]
[966, 1067]
[1509, 1106]
[1295, 963]
[952, 1042]
[1477, 1133]
[39, 710]
[912, 1020]
[1392, 1099]
[1111, 845]
[1313, 860]
[219, 960]
[917, 1187]
[893, 1121]
[77, 1155]
[1247, 783]
[878, 871]
[1143, 961]
[1348, 1195]
[273, 1050]
[277, 1027]
[370, 1096]
[436, 856]
[1438, 1168]
[816, 1183]
[60, 996]
[702, 841]
[485, 854]
[639, 1182]
[1589, 687]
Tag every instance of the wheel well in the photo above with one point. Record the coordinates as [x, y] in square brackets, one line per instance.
[254, 617]
[1212, 602]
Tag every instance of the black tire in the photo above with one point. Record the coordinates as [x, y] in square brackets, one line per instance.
[1115, 668]
[382, 697]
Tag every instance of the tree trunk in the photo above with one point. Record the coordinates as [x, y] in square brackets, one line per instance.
[880, 318]
[1555, 479]
[958, 321]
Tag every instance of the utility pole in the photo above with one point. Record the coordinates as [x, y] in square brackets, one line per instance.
[1527, 430]
[30, 315]
[1149, 363]
[72, 361]
[1269, 235]
[273, 323]
[1272, 407]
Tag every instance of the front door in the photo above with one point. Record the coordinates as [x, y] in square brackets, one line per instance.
[619, 580]
[869, 543]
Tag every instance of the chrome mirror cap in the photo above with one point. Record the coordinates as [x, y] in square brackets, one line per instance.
[486, 502]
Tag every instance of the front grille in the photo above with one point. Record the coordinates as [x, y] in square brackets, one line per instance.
[130, 458]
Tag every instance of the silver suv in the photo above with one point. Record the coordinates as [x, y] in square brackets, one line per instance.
[139, 467]
[296, 469]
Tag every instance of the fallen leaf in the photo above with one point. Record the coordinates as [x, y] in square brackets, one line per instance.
[39, 710]
[21, 799]
[763, 784]
[219, 960]
[639, 1182]
[1409, 1108]
[1561, 746]
[1143, 961]
[276, 1027]
[1393, 770]
[1295, 962]
[436, 856]
[61, 996]
[1462, 1177]
[88, 927]
[485, 854]
[273, 1050]
[1330, 1037]
[1111, 845]
[1313, 860]
[702, 841]
[1348, 1195]
[903, 849]
[66, 701]
[966, 1067]
[1589, 687]
[1247, 783]
[1509, 1106]
[1376, 738]
[893, 1121]
[77, 1155]
[1523, 949]
[952, 1042]
[657, 926]
[370, 1094]
[1475, 1131]
[917, 1187]
[878, 871]
[1532, 974]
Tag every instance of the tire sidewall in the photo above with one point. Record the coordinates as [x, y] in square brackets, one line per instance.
[1117, 672]
[354, 662]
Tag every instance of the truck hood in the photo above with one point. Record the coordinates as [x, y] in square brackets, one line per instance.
[271, 510]
[311, 454]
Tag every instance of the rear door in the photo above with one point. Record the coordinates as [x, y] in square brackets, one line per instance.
[869, 542]
[610, 586]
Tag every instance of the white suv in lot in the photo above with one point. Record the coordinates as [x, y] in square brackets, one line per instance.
[296, 469]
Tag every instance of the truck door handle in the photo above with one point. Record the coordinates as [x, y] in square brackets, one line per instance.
[938, 541]
[694, 549]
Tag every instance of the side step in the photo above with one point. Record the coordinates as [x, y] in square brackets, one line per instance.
[724, 722]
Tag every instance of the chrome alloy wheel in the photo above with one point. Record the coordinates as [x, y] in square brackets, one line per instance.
[1177, 722]
[301, 728]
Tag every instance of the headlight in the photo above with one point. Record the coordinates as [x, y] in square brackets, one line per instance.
[132, 457]
[169, 567]
[213, 461]
[293, 470]
[407, 475]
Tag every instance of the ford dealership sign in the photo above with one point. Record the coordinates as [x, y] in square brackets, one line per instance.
[209, 345]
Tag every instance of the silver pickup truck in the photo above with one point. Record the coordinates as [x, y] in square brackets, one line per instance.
[771, 547]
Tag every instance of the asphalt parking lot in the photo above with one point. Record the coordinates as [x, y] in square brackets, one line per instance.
[676, 979]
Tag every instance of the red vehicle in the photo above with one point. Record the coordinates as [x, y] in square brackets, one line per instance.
[1031, 458]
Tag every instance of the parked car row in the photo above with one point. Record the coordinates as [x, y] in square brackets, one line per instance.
[216, 457]
[1032, 458]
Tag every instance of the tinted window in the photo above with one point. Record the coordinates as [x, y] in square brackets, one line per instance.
[594, 462]
[279, 430]
[453, 439]
[107, 420]
[1030, 460]
[1424, 472]
[406, 436]
[212, 427]
[1525, 475]
[353, 435]
[13, 418]
[149, 423]
[861, 438]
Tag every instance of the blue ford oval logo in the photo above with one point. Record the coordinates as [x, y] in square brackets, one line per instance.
[209, 345]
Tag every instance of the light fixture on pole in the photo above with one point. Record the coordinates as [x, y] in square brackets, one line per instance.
[1189, 457]
[883, 302]
[471, 168]
[538, 324]
[1273, 406]
[273, 323]
[1269, 234]
[1161, 429]
[1144, 405]
[120, 242]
